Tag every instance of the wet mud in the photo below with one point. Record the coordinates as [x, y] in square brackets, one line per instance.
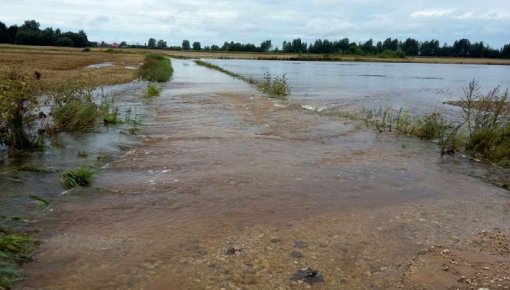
[231, 190]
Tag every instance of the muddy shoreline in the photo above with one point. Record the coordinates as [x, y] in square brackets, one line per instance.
[231, 190]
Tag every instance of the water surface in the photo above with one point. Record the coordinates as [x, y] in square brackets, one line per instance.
[413, 86]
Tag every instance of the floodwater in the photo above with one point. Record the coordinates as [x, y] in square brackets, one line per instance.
[230, 190]
[419, 88]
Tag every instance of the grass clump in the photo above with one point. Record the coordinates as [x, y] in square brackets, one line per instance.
[73, 109]
[487, 120]
[81, 176]
[109, 113]
[14, 251]
[156, 68]
[151, 91]
[276, 87]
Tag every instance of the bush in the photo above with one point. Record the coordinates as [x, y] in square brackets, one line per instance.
[18, 101]
[81, 176]
[156, 68]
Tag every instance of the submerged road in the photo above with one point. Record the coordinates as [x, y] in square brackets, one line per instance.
[231, 190]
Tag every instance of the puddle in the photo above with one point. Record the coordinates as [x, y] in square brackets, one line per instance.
[100, 65]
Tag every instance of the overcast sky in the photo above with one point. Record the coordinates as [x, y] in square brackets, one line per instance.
[256, 20]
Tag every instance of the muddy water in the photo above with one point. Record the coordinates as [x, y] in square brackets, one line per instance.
[98, 148]
[230, 190]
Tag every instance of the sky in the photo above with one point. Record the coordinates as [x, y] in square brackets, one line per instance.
[214, 22]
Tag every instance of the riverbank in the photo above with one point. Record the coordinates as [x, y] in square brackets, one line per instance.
[232, 190]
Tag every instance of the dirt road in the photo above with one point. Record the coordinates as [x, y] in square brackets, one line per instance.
[231, 190]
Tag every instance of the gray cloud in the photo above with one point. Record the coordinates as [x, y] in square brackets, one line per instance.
[257, 20]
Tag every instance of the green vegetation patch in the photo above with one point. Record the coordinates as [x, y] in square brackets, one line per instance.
[14, 251]
[151, 91]
[156, 68]
[81, 176]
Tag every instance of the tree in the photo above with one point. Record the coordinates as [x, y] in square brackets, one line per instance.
[266, 45]
[390, 44]
[368, 47]
[430, 48]
[30, 25]
[214, 47]
[197, 46]
[410, 46]
[151, 43]
[186, 45]
[505, 52]
[4, 36]
[461, 47]
[161, 44]
[12, 31]
[123, 44]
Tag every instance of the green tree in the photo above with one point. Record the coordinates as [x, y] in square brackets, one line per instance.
[186, 45]
[151, 43]
[368, 47]
[410, 46]
[196, 45]
[266, 45]
[161, 44]
[461, 47]
[4, 36]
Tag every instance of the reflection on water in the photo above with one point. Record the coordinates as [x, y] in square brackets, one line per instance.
[418, 87]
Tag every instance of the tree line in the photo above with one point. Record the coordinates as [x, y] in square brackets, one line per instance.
[390, 46]
[30, 33]
[409, 47]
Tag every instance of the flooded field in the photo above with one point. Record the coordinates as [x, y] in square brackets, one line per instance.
[227, 189]
[420, 88]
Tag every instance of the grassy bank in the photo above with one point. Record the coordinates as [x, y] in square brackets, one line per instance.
[275, 87]
[483, 131]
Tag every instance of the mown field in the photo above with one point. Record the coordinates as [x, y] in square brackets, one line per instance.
[57, 65]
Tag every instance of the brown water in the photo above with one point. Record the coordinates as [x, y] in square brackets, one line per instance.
[230, 190]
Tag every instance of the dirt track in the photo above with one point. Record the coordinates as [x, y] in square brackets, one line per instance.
[230, 190]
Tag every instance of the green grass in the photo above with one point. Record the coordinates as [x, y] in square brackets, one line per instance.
[156, 68]
[151, 91]
[14, 251]
[81, 176]
[109, 113]
[276, 87]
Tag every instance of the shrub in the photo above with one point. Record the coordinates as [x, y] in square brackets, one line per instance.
[18, 101]
[391, 54]
[156, 68]
[81, 176]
